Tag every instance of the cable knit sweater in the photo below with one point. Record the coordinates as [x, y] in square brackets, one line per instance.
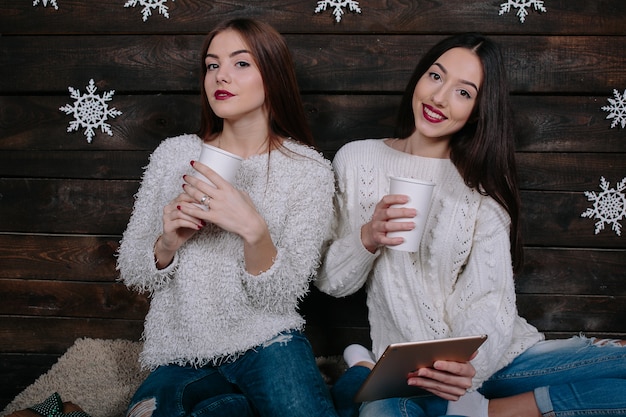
[205, 307]
[459, 283]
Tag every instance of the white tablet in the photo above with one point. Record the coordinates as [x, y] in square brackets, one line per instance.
[388, 379]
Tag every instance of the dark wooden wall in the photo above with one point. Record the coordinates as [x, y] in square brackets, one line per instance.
[64, 202]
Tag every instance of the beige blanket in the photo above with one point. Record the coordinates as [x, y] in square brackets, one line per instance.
[100, 376]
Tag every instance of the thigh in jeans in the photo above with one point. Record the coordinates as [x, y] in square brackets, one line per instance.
[281, 378]
[554, 362]
[173, 391]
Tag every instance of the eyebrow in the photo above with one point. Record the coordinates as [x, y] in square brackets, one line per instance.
[471, 84]
[232, 54]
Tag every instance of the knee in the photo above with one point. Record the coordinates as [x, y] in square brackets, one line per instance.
[143, 408]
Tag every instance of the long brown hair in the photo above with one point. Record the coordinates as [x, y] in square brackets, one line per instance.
[282, 97]
[483, 151]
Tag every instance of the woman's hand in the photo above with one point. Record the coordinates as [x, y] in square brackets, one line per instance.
[374, 233]
[448, 380]
[233, 211]
[227, 207]
[178, 227]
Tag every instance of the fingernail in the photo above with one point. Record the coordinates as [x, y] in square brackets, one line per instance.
[203, 223]
[185, 176]
[178, 207]
[192, 162]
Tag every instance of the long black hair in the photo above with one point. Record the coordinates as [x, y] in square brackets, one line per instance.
[483, 151]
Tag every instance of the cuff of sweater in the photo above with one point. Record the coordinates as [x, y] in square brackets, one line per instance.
[168, 270]
[363, 254]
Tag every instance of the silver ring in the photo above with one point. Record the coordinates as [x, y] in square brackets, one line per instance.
[205, 200]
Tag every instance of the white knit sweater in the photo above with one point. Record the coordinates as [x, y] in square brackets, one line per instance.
[205, 307]
[459, 283]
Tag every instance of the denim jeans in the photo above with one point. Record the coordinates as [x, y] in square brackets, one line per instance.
[349, 383]
[279, 377]
[570, 377]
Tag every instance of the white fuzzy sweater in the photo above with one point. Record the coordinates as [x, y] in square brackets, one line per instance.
[459, 283]
[205, 307]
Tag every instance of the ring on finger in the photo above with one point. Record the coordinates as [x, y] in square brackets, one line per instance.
[205, 200]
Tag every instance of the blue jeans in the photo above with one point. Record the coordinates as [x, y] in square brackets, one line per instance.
[349, 383]
[570, 377]
[279, 377]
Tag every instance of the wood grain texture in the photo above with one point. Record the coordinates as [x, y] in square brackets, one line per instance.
[64, 202]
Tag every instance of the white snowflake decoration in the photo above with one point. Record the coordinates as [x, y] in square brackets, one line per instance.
[148, 5]
[522, 5]
[617, 109]
[90, 111]
[53, 3]
[608, 207]
[338, 6]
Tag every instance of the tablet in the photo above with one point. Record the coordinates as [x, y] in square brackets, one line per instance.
[388, 378]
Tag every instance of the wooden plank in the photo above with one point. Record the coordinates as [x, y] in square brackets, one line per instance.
[347, 63]
[108, 16]
[574, 313]
[554, 219]
[569, 171]
[54, 335]
[66, 206]
[63, 258]
[536, 171]
[72, 299]
[91, 259]
[566, 123]
[546, 123]
[563, 313]
[18, 371]
[36, 123]
[572, 271]
[104, 207]
[74, 165]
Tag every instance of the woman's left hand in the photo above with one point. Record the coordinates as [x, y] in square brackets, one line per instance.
[227, 207]
[448, 380]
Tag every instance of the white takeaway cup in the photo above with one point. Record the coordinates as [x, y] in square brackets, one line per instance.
[419, 193]
[224, 163]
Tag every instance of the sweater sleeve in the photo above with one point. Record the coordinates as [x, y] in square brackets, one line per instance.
[483, 300]
[135, 258]
[347, 263]
[299, 243]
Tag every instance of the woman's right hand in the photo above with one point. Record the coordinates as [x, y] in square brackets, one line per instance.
[374, 233]
[178, 227]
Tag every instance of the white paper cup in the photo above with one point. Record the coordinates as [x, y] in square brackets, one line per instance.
[224, 163]
[420, 193]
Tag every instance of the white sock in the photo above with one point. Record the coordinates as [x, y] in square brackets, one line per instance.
[357, 353]
[472, 404]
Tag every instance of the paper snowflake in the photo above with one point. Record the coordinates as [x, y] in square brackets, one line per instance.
[617, 109]
[53, 3]
[338, 6]
[608, 207]
[522, 5]
[148, 5]
[90, 111]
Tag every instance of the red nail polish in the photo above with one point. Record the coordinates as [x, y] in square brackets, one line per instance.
[199, 227]
[185, 177]
[178, 207]
[192, 162]
[203, 223]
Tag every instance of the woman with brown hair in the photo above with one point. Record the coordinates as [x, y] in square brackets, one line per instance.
[223, 335]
